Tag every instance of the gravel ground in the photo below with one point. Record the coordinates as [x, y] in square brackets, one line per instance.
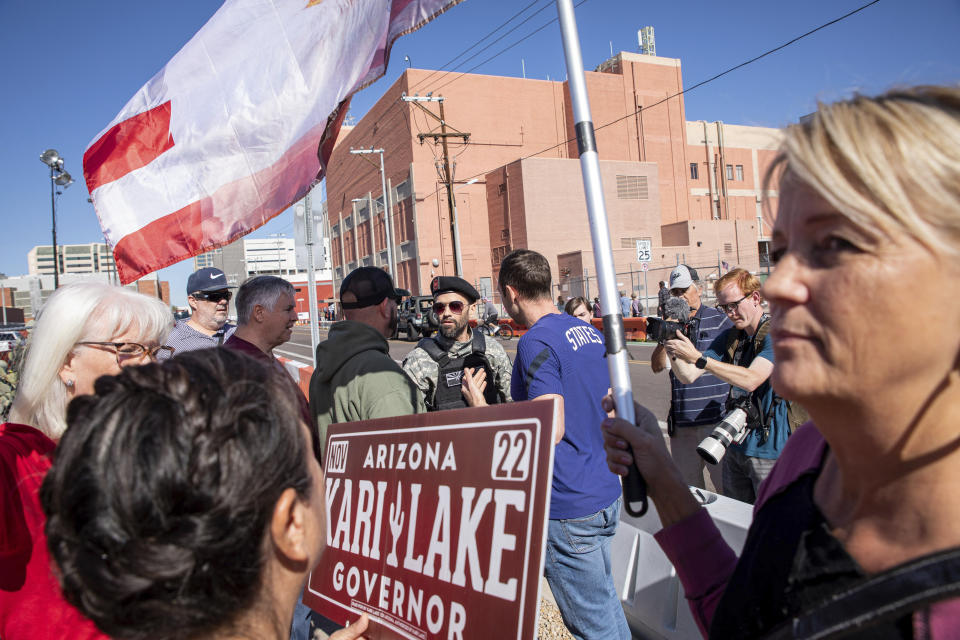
[550, 625]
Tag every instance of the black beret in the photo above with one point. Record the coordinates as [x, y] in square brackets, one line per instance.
[443, 284]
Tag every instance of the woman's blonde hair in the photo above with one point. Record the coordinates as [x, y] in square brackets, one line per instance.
[87, 311]
[889, 163]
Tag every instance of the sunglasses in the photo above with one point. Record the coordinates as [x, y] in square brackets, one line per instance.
[213, 296]
[455, 307]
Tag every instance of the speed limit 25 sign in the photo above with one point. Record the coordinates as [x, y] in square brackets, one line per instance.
[643, 251]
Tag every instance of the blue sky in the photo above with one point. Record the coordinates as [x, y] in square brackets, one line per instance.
[69, 67]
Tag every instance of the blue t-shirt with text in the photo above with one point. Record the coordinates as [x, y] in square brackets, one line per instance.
[563, 355]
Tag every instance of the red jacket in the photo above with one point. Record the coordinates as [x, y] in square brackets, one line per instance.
[31, 605]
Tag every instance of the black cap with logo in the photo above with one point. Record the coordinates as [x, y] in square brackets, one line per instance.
[207, 279]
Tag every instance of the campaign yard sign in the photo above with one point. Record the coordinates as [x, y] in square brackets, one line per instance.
[436, 523]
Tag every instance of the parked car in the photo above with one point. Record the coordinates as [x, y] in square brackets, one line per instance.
[9, 340]
[416, 318]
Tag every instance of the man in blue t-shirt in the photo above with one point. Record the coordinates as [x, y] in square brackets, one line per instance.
[561, 357]
[748, 370]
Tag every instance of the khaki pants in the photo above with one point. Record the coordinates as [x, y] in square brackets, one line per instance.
[696, 472]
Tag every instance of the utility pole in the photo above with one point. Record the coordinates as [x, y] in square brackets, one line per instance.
[447, 169]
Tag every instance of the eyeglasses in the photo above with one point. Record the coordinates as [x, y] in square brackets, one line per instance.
[213, 296]
[126, 352]
[730, 307]
[455, 307]
[678, 292]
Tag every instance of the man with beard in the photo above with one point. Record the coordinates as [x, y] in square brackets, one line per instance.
[208, 295]
[355, 377]
[458, 367]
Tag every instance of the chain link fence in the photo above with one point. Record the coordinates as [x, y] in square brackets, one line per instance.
[646, 284]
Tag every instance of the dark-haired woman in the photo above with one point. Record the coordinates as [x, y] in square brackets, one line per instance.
[185, 502]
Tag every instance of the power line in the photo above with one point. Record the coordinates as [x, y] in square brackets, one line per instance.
[505, 49]
[510, 19]
[496, 55]
[424, 80]
[701, 83]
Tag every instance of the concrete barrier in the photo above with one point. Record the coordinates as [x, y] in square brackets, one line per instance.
[300, 373]
[651, 594]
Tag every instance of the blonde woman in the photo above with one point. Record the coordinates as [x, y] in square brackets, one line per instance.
[856, 530]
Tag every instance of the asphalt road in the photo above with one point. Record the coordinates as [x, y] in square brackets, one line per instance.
[650, 390]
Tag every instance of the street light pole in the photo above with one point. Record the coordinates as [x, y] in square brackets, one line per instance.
[58, 177]
[386, 212]
[53, 215]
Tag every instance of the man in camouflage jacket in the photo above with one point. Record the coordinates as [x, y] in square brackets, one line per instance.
[458, 367]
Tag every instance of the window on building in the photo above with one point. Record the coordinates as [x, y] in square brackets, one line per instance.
[729, 172]
[694, 171]
[740, 172]
[499, 253]
[632, 187]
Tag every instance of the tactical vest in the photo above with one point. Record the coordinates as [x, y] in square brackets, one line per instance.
[447, 394]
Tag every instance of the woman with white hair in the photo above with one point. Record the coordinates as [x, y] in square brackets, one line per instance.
[84, 331]
[856, 532]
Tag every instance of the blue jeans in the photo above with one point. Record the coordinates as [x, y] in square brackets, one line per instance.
[577, 569]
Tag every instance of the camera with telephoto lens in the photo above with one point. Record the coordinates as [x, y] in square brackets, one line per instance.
[732, 429]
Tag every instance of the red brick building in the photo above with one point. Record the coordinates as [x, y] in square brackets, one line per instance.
[693, 189]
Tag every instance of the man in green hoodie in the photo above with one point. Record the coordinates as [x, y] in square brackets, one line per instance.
[355, 377]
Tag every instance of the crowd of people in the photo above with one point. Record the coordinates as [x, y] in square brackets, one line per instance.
[163, 480]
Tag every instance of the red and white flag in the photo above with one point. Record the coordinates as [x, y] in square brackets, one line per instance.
[238, 125]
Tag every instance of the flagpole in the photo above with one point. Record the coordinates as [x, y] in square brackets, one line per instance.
[311, 276]
[634, 488]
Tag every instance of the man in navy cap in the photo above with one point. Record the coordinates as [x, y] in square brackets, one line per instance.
[208, 295]
[458, 367]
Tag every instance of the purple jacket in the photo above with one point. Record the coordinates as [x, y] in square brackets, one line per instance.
[705, 563]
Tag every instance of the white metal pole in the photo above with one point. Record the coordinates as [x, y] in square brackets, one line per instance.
[311, 277]
[386, 221]
[635, 500]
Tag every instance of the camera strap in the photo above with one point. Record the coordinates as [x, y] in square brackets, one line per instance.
[880, 599]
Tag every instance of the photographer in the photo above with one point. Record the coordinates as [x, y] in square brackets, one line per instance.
[743, 357]
[695, 407]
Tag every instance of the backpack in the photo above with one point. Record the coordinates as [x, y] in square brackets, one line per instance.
[796, 414]
[447, 393]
